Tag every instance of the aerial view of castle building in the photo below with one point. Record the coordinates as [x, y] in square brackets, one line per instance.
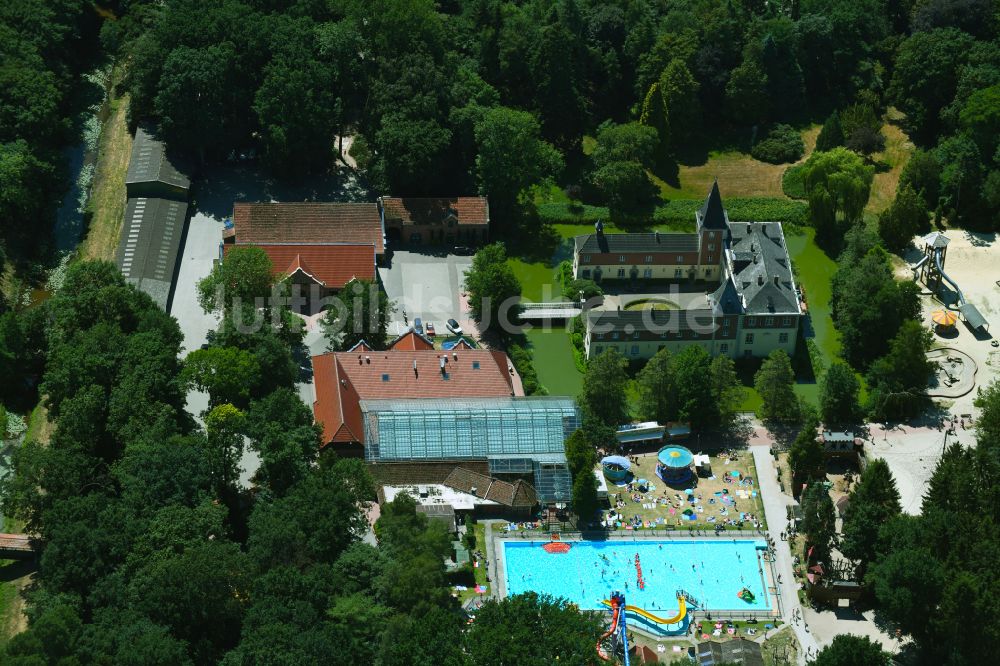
[499, 332]
[734, 278]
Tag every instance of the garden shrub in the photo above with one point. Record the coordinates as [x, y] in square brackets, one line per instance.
[782, 144]
[678, 214]
[523, 363]
[792, 183]
[361, 152]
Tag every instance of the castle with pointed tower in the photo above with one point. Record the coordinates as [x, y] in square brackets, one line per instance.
[728, 287]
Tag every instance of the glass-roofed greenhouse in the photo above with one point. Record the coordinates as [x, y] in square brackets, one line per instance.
[434, 428]
[517, 435]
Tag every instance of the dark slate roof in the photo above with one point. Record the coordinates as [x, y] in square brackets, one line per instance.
[712, 215]
[632, 243]
[150, 162]
[761, 268]
[150, 244]
[727, 299]
[663, 321]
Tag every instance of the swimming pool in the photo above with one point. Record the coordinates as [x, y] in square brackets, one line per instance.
[713, 572]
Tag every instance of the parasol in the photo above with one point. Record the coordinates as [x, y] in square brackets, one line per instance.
[944, 317]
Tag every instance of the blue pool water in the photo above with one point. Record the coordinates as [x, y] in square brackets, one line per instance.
[720, 570]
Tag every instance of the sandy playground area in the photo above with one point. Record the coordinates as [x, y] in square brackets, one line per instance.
[973, 263]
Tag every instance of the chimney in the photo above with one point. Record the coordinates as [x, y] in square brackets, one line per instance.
[361, 361]
[368, 360]
[760, 280]
[443, 361]
[656, 234]
[775, 280]
[415, 373]
[454, 356]
[599, 228]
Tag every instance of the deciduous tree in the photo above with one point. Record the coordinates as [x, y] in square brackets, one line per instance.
[850, 650]
[360, 311]
[819, 522]
[897, 382]
[603, 396]
[775, 382]
[837, 184]
[505, 174]
[503, 631]
[244, 276]
[838, 396]
[494, 291]
[902, 220]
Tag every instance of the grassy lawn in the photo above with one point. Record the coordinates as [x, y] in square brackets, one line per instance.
[705, 491]
[739, 174]
[16, 575]
[553, 357]
[898, 149]
[479, 530]
[8, 606]
[39, 426]
[106, 207]
[534, 277]
[652, 304]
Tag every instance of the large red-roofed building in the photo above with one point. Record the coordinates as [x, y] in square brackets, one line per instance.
[307, 224]
[410, 368]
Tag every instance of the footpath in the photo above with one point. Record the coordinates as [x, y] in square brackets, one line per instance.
[775, 503]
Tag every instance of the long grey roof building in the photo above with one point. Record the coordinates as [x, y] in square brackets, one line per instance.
[155, 218]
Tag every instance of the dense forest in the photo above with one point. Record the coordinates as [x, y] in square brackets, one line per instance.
[45, 47]
[157, 554]
[438, 92]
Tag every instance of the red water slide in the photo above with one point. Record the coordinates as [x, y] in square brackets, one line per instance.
[616, 609]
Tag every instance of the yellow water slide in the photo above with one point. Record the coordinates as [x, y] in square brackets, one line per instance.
[681, 612]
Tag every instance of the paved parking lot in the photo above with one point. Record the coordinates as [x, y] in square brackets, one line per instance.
[201, 247]
[426, 286]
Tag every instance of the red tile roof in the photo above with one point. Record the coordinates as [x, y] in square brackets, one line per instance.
[332, 265]
[410, 341]
[423, 211]
[343, 379]
[308, 223]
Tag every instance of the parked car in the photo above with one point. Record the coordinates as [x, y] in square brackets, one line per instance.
[462, 250]
[418, 326]
[430, 329]
[454, 327]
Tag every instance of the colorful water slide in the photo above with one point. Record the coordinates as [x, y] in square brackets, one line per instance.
[616, 610]
[681, 612]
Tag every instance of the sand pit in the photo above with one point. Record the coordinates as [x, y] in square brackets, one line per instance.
[956, 374]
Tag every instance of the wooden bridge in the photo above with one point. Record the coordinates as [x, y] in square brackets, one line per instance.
[558, 310]
[18, 547]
